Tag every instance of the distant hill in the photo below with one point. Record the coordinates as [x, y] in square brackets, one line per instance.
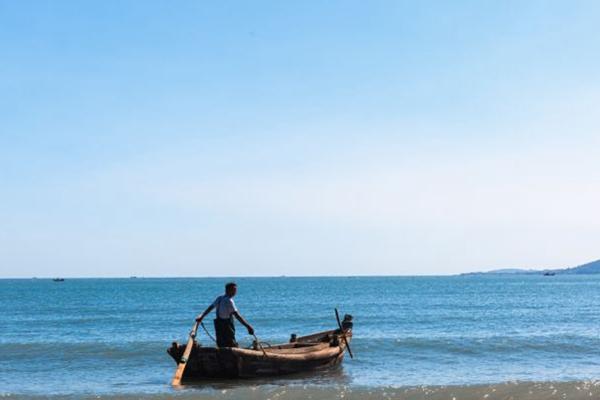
[589, 268]
[505, 271]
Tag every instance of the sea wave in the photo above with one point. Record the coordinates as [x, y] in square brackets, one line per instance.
[82, 350]
[486, 346]
[473, 345]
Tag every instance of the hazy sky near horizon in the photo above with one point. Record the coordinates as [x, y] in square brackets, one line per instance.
[297, 138]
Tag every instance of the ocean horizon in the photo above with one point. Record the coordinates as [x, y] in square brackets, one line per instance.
[228, 277]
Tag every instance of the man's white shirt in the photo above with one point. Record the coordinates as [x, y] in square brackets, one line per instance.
[225, 306]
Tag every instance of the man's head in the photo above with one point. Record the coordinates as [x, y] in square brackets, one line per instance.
[230, 289]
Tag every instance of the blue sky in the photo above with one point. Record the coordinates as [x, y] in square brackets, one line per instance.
[298, 138]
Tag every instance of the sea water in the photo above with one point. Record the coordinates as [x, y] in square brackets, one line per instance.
[414, 337]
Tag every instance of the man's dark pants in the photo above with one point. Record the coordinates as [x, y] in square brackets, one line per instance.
[225, 330]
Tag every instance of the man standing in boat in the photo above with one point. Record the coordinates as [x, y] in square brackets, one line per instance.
[225, 311]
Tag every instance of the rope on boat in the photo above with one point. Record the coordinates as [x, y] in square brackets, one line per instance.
[208, 333]
[214, 340]
[259, 345]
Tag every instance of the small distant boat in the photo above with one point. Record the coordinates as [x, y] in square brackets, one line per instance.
[317, 351]
[58, 279]
[549, 273]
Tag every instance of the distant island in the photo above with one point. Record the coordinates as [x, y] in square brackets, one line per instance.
[589, 268]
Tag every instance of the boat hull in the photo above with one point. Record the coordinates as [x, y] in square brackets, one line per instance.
[313, 352]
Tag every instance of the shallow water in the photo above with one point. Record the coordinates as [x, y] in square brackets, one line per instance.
[413, 336]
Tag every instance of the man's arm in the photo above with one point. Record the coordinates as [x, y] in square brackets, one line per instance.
[200, 317]
[244, 322]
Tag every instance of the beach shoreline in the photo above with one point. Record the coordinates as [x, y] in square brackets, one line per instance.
[573, 390]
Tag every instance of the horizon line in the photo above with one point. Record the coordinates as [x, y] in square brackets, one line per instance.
[225, 276]
[260, 276]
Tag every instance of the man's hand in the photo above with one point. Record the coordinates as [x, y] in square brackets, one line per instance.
[250, 330]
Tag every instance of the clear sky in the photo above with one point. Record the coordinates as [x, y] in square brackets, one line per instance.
[299, 138]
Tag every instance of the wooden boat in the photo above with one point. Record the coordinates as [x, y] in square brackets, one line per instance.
[305, 353]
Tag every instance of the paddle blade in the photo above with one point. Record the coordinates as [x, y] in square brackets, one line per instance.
[184, 359]
[178, 374]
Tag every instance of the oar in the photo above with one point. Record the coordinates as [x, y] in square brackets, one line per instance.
[337, 316]
[184, 358]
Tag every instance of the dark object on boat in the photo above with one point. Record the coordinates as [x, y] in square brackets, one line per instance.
[58, 279]
[306, 353]
[549, 273]
[347, 322]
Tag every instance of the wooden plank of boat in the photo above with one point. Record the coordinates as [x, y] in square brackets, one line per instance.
[319, 352]
[296, 350]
